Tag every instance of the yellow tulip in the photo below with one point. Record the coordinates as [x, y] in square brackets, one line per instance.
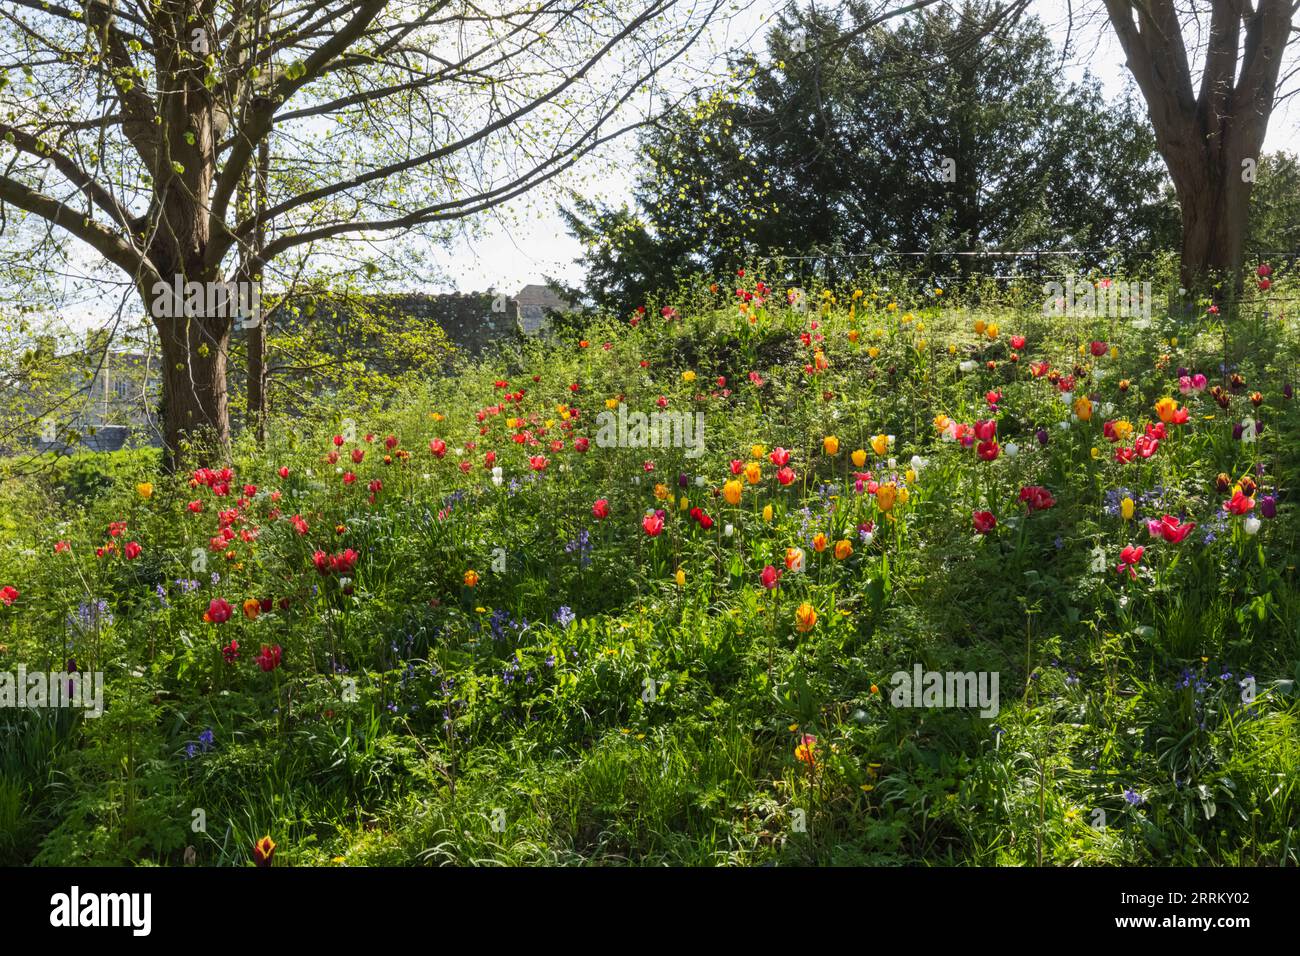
[757, 451]
[471, 579]
[731, 491]
[859, 458]
[681, 578]
[831, 445]
[819, 542]
[843, 548]
[753, 472]
[144, 489]
[805, 618]
[767, 512]
[886, 495]
[688, 376]
[1083, 408]
[1126, 509]
[880, 444]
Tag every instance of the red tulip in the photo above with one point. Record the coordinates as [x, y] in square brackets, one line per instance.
[219, 611]
[1169, 529]
[600, 509]
[986, 430]
[653, 524]
[1129, 559]
[984, 521]
[269, 658]
[780, 457]
[132, 550]
[770, 577]
[785, 476]
[438, 447]
[987, 450]
[1037, 498]
[1239, 504]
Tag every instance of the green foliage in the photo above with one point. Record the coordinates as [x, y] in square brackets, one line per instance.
[499, 676]
[943, 132]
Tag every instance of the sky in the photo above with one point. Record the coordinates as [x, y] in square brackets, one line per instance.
[521, 247]
[525, 242]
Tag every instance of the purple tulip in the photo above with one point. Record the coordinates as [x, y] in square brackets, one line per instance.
[1042, 436]
[1268, 506]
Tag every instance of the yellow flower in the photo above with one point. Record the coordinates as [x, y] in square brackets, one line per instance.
[880, 444]
[854, 334]
[681, 578]
[992, 330]
[688, 376]
[859, 458]
[144, 489]
[611, 403]
[1083, 408]
[767, 512]
[843, 548]
[1123, 429]
[753, 472]
[1126, 509]
[805, 618]
[819, 542]
[471, 579]
[662, 492]
[731, 491]
[757, 451]
[684, 504]
[979, 326]
[886, 495]
[892, 307]
[910, 476]
[252, 608]
[436, 416]
[1095, 452]
[831, 445]
[873, 351]
[1165, 409]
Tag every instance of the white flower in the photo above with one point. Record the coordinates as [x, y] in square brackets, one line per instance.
[425, 476]
[729, 530]
[867, 538]
[497, 475]
[893, 463]
[699, 481]
[1251, 525]
[1067, 398]
[1106, 409]
[918, 463]
[967, 366]
[1011, 449]
[1064, 426]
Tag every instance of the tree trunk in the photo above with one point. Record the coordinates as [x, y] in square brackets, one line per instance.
[197, 420]
[1214, 216]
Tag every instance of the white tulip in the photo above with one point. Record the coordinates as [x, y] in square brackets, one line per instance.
[1251, 525]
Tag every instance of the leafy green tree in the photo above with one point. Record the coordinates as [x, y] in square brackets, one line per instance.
[952, 131]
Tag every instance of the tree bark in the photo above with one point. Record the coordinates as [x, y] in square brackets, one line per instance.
[1205, 136]
[197, 421]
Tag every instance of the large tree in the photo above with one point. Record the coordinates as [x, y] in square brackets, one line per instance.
[136, 127]
[1210, 134]
[949, 131]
